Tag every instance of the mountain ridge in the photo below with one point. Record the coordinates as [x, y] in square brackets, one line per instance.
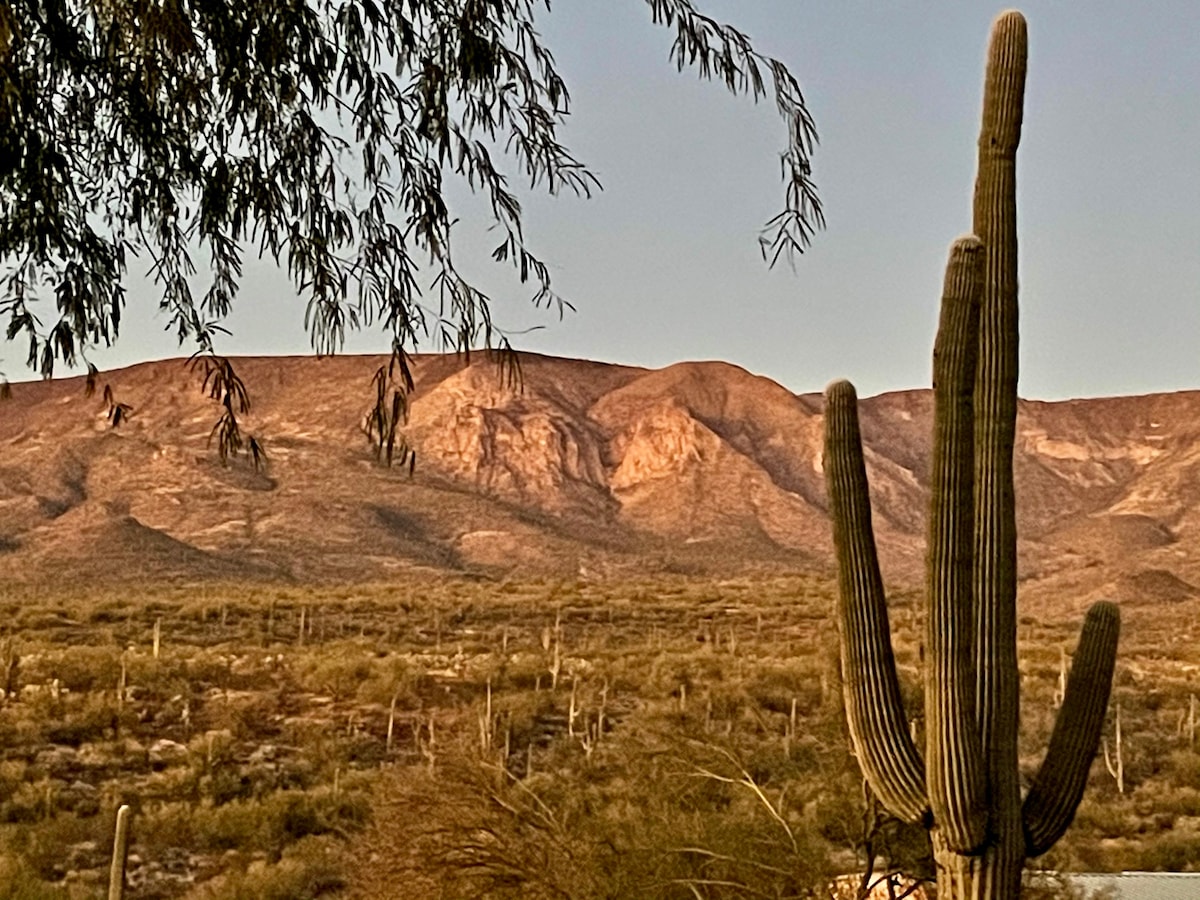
[587, 467]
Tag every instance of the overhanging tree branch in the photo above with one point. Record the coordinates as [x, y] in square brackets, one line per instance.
[320, 133]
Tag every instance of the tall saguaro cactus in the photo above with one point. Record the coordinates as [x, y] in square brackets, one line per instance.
[965, 786]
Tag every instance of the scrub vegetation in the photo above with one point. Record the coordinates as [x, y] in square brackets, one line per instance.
[542, 738]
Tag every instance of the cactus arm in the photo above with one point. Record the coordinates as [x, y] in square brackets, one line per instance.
[954, 760]
[1052, 800]
[871, 688]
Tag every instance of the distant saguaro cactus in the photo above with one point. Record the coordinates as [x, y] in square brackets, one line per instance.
[965, 786]
[120, 853]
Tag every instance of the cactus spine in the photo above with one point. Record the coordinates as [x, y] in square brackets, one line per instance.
[965, 787]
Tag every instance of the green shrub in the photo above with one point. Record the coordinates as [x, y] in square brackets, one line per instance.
[1170, 851]
[19, 882]
[268, 824]
[309, 870]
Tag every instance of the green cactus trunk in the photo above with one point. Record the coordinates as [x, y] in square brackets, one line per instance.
[995, 581]
[965, 786]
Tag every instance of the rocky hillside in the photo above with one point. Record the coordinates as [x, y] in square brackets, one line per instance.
[587, 468]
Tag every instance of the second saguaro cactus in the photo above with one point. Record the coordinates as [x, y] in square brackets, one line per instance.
[965, 785]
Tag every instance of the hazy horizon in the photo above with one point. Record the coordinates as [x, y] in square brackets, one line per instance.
[664, 265]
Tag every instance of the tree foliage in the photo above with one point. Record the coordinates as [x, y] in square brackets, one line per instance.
[320, 133]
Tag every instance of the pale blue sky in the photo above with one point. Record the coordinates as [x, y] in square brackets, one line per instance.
[664, 265]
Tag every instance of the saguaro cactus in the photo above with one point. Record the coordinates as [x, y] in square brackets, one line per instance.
[965, 786]
[120, 853]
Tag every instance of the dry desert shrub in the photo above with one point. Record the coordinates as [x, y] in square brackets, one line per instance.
[650, 825]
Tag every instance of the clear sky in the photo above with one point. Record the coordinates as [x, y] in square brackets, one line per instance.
[664, 265]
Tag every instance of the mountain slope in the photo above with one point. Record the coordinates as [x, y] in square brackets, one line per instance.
[586, 467]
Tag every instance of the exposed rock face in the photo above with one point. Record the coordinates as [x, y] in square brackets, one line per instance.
[534, 449]
[583, 466]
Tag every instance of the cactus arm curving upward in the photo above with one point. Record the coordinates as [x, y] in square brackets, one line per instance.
[871, 689]
[954, 760]
[1057, 789]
